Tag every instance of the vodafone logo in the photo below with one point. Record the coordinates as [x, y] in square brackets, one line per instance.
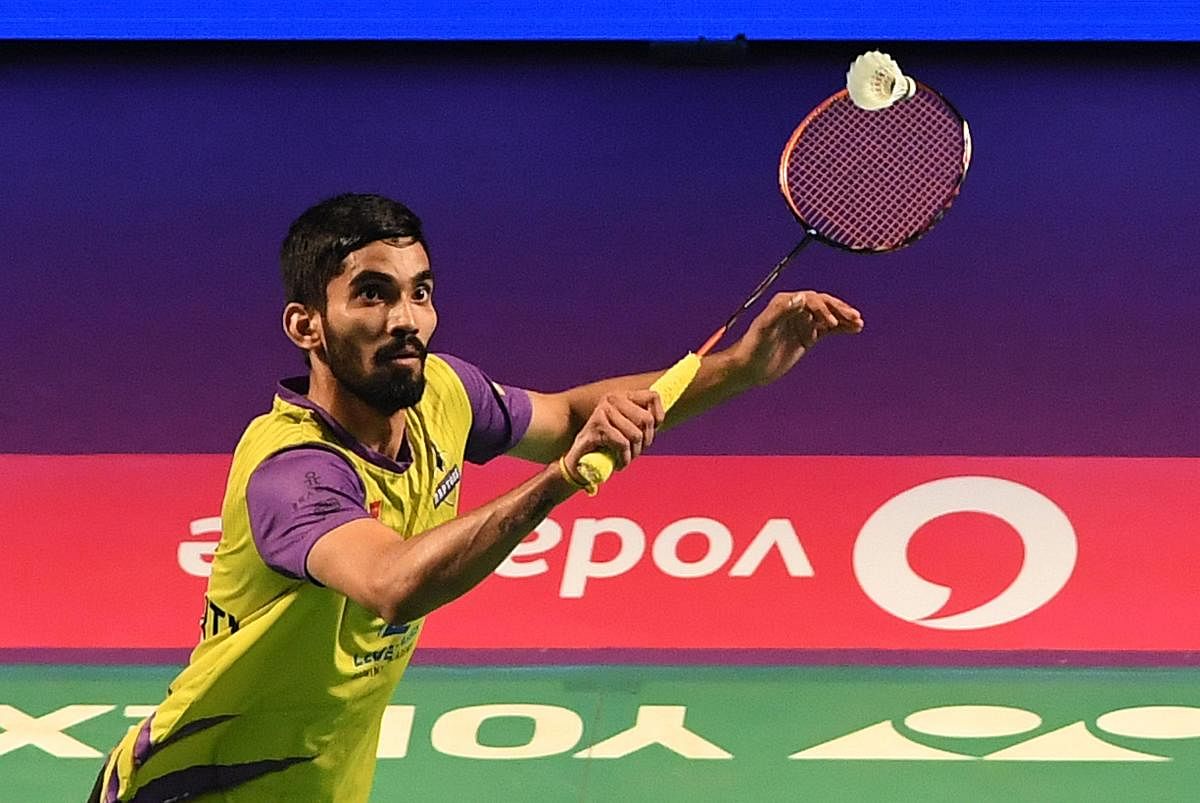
[881, 551]
[582, 554]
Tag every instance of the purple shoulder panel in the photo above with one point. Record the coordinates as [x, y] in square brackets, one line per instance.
[501, 412]
[296, 496]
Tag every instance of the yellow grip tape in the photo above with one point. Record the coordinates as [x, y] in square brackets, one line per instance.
[596, 467]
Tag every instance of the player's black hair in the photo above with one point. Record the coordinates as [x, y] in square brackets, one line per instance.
[327, 233]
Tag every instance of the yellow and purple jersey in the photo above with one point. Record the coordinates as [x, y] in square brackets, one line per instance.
[283, 696]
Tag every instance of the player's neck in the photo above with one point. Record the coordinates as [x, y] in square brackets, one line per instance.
[371, 428]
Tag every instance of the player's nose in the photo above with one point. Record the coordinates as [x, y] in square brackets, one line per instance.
[402, 318]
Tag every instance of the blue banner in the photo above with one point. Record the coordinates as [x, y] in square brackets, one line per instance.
[967, 20]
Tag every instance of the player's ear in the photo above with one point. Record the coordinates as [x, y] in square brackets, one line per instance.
[302, 324]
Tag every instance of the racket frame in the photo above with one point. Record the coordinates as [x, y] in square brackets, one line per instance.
[810, 233]
[820, 108]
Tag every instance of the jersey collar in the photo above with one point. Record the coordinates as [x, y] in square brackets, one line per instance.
[293, 389]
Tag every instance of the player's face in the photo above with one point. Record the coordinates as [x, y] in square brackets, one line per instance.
[378, 320]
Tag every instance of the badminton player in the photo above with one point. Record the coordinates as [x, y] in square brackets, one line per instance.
[340, 524]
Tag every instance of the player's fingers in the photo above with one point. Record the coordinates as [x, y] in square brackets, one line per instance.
[810, 306]
[635, 404]
[794, 300]
[657, 412]
[634, 422]
[658, 409]
[844, 310]
[850, 319]
[647, 424]
[609, 438]
[651, 402]
[814, 324]
[850, 327]
[828, 311]
[823, 314]
[630, 420]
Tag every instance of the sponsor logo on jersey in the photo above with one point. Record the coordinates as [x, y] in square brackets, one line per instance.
[448, 484]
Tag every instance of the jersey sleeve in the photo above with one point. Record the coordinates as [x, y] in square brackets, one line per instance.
[296, 496]
[500, 413]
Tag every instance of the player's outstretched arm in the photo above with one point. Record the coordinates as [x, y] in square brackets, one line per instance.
[402, 580]
[773, 343]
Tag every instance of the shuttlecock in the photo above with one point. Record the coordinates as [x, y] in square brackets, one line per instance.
[875, 81]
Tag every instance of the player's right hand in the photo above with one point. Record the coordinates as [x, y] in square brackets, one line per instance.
[623, 425]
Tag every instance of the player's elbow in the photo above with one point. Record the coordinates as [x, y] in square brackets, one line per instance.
[399, 611]
[391, 613]
[400, 600]
[407, 579]
[388, 602]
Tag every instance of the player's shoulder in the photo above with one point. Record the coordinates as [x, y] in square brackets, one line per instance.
[284, 426]
[442, 368]
[444, 376]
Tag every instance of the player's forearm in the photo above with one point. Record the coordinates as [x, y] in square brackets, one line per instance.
[443, 563]
[720, 377]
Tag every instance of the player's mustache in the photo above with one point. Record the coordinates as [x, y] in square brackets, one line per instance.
[409, 346]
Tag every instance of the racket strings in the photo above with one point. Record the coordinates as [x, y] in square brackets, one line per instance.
[868, 180]
[875, 180]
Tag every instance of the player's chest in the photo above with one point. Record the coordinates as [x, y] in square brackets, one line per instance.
[424, 495]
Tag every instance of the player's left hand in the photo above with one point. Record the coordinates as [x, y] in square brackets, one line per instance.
[791, 324]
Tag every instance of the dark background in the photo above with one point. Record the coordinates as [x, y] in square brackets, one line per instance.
[600, 208]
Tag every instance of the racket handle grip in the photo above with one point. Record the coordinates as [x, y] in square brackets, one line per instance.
[596, 467]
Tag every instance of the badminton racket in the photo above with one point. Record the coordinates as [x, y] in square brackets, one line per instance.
[869, 170]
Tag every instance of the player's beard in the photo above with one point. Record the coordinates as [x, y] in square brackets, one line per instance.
[387, 386]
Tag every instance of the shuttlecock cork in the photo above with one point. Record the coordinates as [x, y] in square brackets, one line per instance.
[875, 81]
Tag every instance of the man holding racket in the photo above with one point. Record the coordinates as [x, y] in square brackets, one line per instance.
[340, 525]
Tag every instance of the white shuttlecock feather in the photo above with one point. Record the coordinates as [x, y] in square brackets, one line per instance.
[875, 81]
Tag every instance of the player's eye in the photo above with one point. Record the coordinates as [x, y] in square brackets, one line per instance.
[370, 292]
[423, 292]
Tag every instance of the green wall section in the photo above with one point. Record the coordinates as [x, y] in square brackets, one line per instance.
[757, 716]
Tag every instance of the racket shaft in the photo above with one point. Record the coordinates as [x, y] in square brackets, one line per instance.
[756, 294]
[596, 467]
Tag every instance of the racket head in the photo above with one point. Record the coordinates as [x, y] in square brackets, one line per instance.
[875, 181]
